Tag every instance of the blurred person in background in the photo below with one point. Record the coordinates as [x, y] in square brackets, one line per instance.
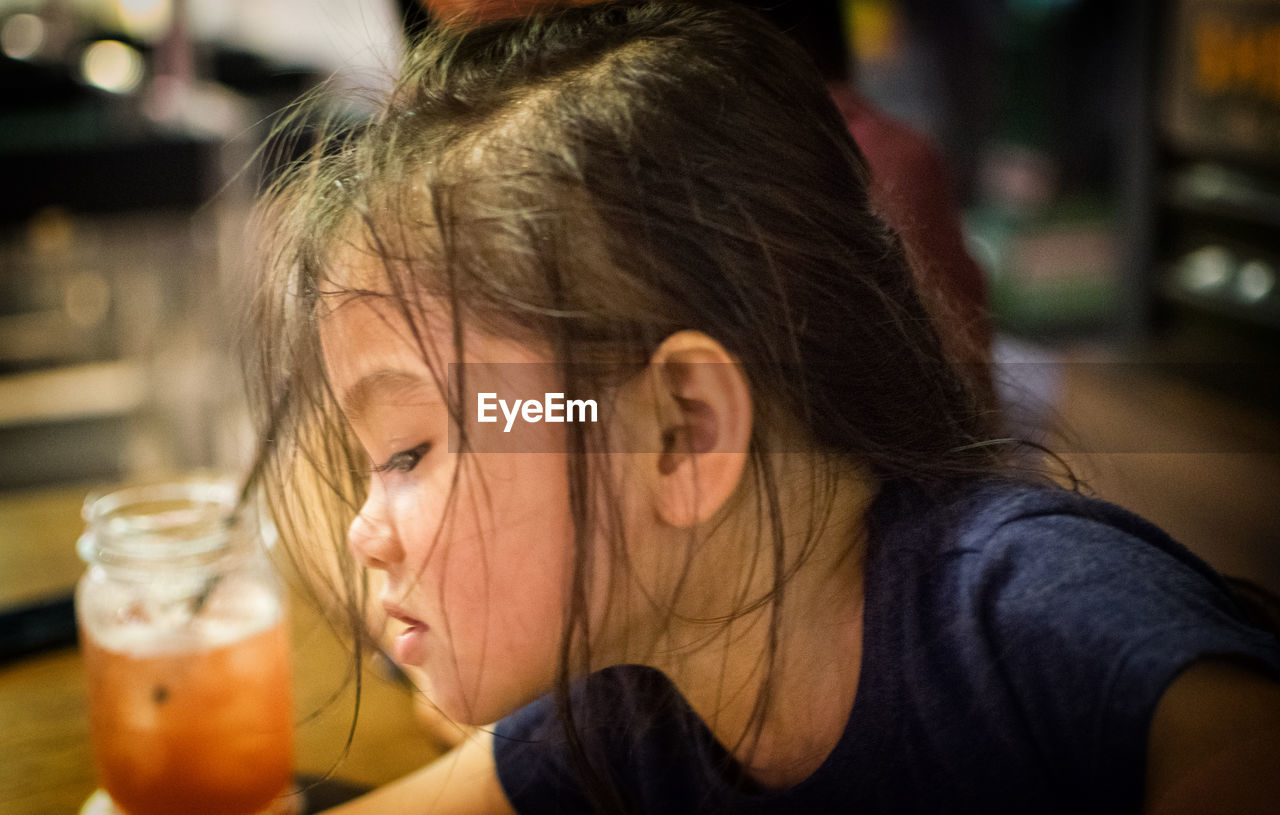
[911, 184]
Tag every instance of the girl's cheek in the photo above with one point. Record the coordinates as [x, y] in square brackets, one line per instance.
[417, 513]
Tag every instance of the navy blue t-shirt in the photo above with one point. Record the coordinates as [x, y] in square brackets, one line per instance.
[1016, 640]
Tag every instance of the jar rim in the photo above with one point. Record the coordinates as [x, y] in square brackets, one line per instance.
[217, 488]
[185, 521]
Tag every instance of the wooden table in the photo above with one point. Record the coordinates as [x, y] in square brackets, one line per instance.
[45, 764]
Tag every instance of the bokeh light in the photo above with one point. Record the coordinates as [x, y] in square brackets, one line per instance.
[21, 36]
[112, 66]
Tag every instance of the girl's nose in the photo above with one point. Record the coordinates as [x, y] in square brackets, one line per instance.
[371, 537]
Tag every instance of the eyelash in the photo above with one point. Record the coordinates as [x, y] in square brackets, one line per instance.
[405, 460]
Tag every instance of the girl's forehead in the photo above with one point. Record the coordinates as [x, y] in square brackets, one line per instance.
[362, 328]
[370, 308]
[373, 358]
[365, 331]
[373, 354]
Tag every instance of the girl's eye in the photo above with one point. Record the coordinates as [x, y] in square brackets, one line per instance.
[405, 460]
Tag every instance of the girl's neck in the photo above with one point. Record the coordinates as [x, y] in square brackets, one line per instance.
[779, 717]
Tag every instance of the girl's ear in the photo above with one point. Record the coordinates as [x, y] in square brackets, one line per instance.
[704, 427]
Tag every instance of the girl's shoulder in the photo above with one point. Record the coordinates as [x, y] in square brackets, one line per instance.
[1037, 621]
[1000, 517]
[1051, 575]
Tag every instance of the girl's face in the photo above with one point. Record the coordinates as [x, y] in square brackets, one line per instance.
[477, 584]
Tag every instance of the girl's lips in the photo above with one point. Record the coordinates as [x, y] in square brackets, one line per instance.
[397, 613]
[411, 645]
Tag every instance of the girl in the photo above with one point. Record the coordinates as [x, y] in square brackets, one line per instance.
[782, 564]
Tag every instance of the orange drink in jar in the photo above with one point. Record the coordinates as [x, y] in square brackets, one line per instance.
[187, 654]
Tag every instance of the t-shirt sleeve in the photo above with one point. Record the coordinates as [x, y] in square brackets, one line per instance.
[533, 762]
[1092, 622]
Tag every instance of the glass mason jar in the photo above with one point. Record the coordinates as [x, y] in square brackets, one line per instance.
[186, 648]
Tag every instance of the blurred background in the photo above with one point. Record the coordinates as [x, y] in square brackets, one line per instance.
[1117, 164]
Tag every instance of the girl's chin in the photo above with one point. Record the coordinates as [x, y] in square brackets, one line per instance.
[461, 709]
[462, 716]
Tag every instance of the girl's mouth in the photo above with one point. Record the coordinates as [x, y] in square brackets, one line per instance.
[410, 645]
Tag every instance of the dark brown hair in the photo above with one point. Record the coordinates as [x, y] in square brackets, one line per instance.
[598, 178]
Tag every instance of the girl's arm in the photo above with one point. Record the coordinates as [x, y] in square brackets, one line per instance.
[1215, 743]
[464, 780]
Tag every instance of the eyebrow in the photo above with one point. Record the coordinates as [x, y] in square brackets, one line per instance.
[386, 382]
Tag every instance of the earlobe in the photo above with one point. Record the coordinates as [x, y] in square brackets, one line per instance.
[705, 417]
